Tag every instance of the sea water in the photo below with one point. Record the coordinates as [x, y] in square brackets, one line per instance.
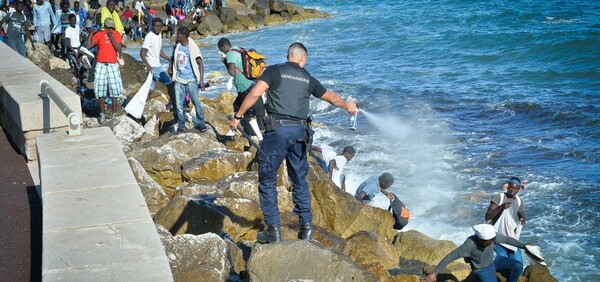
[456, 96]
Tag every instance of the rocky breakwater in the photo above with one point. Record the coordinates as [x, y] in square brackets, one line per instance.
[204, 198]
[245, 15]
[203, 195]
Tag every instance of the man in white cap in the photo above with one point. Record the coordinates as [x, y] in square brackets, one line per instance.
[479, 248]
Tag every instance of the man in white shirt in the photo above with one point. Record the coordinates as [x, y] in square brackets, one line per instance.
[151, 53]
[333, 164]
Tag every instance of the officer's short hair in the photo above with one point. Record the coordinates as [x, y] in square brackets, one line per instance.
[223, 42]
[349, 150]
[184, 30]
[297, 49]
[386, 179]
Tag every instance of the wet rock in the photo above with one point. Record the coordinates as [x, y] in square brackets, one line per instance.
[367, 248]
[333, 208]
[536, 272]
[413, 244]
[373, 219]
[196, 257]
[273, 19]
[258, 19]
[246, 22]
[155, 196]
[302, 260]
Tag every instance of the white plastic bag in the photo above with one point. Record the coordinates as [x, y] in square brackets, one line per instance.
[135, 107]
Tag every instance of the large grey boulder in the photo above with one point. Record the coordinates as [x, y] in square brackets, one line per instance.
[210, 25]
[196, 257]
[155, 196]
[262, 7]
[302, 260]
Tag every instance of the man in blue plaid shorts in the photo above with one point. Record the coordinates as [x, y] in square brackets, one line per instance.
[108, 75]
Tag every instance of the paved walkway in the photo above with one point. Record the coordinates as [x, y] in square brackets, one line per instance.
[20, 218]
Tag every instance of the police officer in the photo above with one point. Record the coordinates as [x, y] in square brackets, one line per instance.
[289, 87]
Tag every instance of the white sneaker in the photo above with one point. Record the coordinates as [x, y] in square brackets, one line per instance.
[188, 117]
[86, 62]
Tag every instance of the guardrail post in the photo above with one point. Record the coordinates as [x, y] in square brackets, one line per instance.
[72, 117]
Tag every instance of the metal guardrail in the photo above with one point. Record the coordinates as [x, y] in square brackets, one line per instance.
[74, 119]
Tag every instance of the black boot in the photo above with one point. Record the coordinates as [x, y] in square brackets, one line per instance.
[306, 232]
[271, 235]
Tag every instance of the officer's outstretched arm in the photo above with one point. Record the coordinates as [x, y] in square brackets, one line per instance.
[337, 101]
[249, 101]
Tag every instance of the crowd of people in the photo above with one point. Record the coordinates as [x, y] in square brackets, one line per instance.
[276, 101]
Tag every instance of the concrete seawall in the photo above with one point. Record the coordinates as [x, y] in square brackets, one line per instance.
[97, 226]
[23, 113]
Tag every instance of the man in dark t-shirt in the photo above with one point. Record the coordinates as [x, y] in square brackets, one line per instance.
[289, 87]
[17, 22]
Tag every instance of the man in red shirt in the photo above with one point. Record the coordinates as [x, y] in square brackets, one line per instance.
[127, 15]
[108, 75]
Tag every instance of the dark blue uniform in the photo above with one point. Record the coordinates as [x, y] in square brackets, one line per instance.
[290, 88]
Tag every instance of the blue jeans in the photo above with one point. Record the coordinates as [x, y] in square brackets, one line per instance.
[283, 143]
[158, 73]
[502, 251]
[180, 90]
[508, 267]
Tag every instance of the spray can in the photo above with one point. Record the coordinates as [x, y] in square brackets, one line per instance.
[353, 120]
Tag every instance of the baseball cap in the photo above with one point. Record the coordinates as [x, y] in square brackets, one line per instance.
[109, 23]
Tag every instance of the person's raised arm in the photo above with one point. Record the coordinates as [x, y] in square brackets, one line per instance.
[337, 101]
[116, 44]
[494, 210]
[90, 42]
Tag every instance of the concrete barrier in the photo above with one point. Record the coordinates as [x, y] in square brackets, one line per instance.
[23, 113]
[97, 226]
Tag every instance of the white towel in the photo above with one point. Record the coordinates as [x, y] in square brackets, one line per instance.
[507, 226]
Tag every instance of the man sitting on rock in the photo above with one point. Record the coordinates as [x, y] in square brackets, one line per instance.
[367, 190]
[479, 249]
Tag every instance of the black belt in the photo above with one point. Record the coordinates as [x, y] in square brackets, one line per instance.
[288, 122]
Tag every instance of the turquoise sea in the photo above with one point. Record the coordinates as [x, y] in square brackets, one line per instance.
[463, 95]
